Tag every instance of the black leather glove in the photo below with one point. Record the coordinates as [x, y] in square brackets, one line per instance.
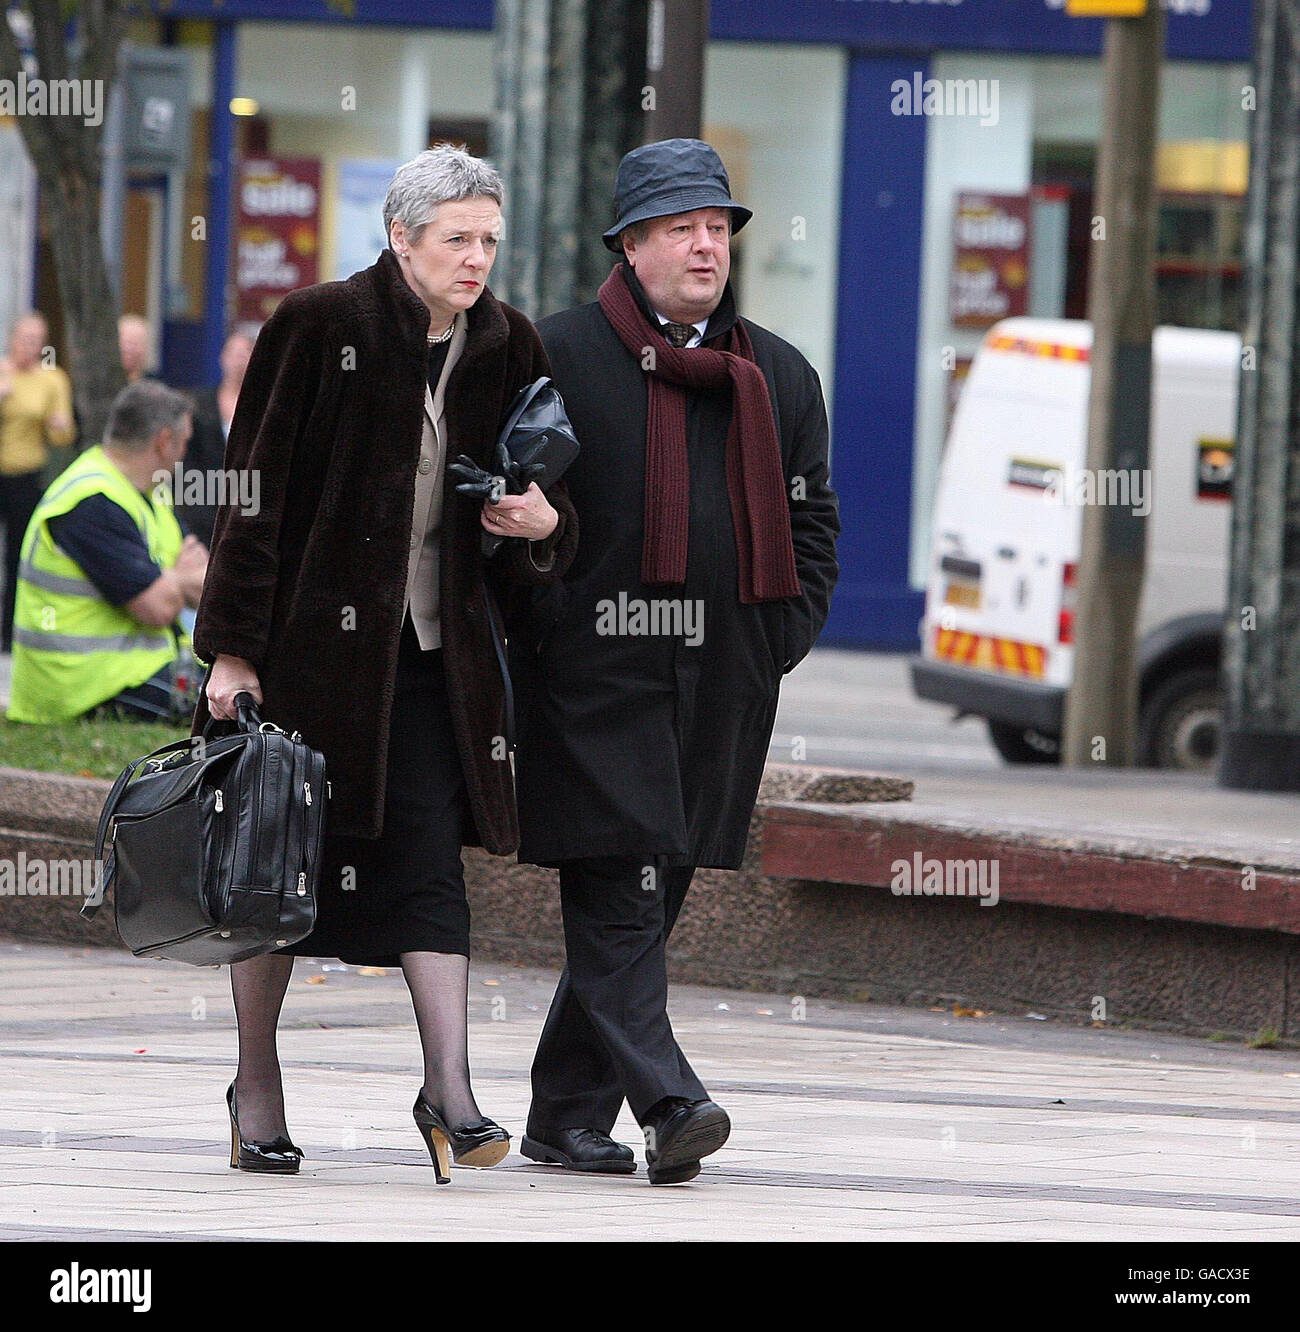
[477, 482]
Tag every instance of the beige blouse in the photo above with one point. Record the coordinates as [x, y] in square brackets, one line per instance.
[426, 518]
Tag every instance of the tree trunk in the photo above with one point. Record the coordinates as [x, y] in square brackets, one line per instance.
[1101, 706]
[66, 153]
[1261, 742]
[569, 78]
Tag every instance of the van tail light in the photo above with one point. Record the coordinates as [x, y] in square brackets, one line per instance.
[1069, 591]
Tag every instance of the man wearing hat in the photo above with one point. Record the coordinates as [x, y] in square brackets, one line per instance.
[648, 679]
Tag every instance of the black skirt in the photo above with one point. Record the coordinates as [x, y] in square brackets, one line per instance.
[403, 891]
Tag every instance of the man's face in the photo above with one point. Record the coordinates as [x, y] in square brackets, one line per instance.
[133, 346]
[683, 262]
[234, 358]
[171, 442]
[449, 265]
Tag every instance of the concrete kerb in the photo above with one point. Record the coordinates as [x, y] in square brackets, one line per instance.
[811, 912]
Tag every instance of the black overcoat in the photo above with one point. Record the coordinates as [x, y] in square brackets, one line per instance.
[311, 587]
[642, 744]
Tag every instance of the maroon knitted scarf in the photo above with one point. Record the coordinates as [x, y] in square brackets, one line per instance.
[760, 512]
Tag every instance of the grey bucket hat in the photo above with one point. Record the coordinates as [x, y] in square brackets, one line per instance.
[671, 176]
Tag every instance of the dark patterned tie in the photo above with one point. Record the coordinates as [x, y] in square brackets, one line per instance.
[679, 334]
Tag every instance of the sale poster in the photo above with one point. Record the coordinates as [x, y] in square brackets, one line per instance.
[990, 270]
[277, 235]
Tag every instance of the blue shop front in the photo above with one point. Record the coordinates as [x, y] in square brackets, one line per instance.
[857, 130]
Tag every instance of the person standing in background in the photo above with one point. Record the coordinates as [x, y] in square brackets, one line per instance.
[35, 415]
[213, 411]
[134, 345]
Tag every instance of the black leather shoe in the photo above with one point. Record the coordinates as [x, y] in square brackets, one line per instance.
[580, 1149]
[678, 1133]
[275, 1157]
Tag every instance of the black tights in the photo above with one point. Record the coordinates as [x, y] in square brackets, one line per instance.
[439, 985]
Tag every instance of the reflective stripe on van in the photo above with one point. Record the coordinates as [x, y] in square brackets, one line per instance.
[984, 653]
[1060, 351]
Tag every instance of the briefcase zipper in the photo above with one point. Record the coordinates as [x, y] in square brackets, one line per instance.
[306, 787]
[261, 802]
[212, 885]
[302, 883]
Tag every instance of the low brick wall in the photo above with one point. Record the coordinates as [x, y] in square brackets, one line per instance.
[812, 914]
[516, 910]
[737, 928]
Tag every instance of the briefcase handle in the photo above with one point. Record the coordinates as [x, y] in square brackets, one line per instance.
[247, 718]
[246, 710]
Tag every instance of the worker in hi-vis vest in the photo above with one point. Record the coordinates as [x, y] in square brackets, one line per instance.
[104, 572]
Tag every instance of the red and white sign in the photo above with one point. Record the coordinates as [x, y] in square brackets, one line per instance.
[990, 268]
[278, 232]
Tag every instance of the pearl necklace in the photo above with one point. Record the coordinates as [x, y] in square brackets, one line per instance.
[442, 337]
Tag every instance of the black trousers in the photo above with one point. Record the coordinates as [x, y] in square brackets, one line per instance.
[19, 496]
[150, 701]
[607, 1035]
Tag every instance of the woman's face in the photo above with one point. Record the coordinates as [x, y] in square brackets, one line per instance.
[449, 265]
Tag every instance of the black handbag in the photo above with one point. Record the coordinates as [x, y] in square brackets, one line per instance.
[214, 843]
[536, 443]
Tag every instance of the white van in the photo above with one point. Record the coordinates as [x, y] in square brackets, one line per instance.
[997, 635]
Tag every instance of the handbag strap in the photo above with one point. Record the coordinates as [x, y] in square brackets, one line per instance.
[499, 648]
[96, 899]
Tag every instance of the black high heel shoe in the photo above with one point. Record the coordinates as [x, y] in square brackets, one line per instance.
[480, 1144]
[277, 1157]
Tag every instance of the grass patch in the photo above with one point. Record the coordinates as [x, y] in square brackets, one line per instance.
[1266, 1038]
[82, 748]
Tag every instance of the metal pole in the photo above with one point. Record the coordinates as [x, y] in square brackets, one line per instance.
[221, 170]
[504, 137]
[112, 185]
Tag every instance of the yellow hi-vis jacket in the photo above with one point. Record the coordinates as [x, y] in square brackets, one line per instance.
[72, 649]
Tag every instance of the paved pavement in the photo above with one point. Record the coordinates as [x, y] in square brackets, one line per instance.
[856, 1122]
[857, 710]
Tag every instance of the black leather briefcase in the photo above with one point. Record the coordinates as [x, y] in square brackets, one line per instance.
[214, 843]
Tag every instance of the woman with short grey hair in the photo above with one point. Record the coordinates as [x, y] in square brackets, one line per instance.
[354, 605]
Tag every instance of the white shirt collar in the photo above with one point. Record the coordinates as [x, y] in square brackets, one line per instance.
[699, 328]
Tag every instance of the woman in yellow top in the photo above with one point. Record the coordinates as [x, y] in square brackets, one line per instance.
[35, 413]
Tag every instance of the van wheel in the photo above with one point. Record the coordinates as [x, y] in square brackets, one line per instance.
[1181, 722]
[1019, 744]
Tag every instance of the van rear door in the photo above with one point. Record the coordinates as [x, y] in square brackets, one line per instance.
[1006, 534]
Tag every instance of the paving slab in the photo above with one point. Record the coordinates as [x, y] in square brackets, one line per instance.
[860, 1121]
